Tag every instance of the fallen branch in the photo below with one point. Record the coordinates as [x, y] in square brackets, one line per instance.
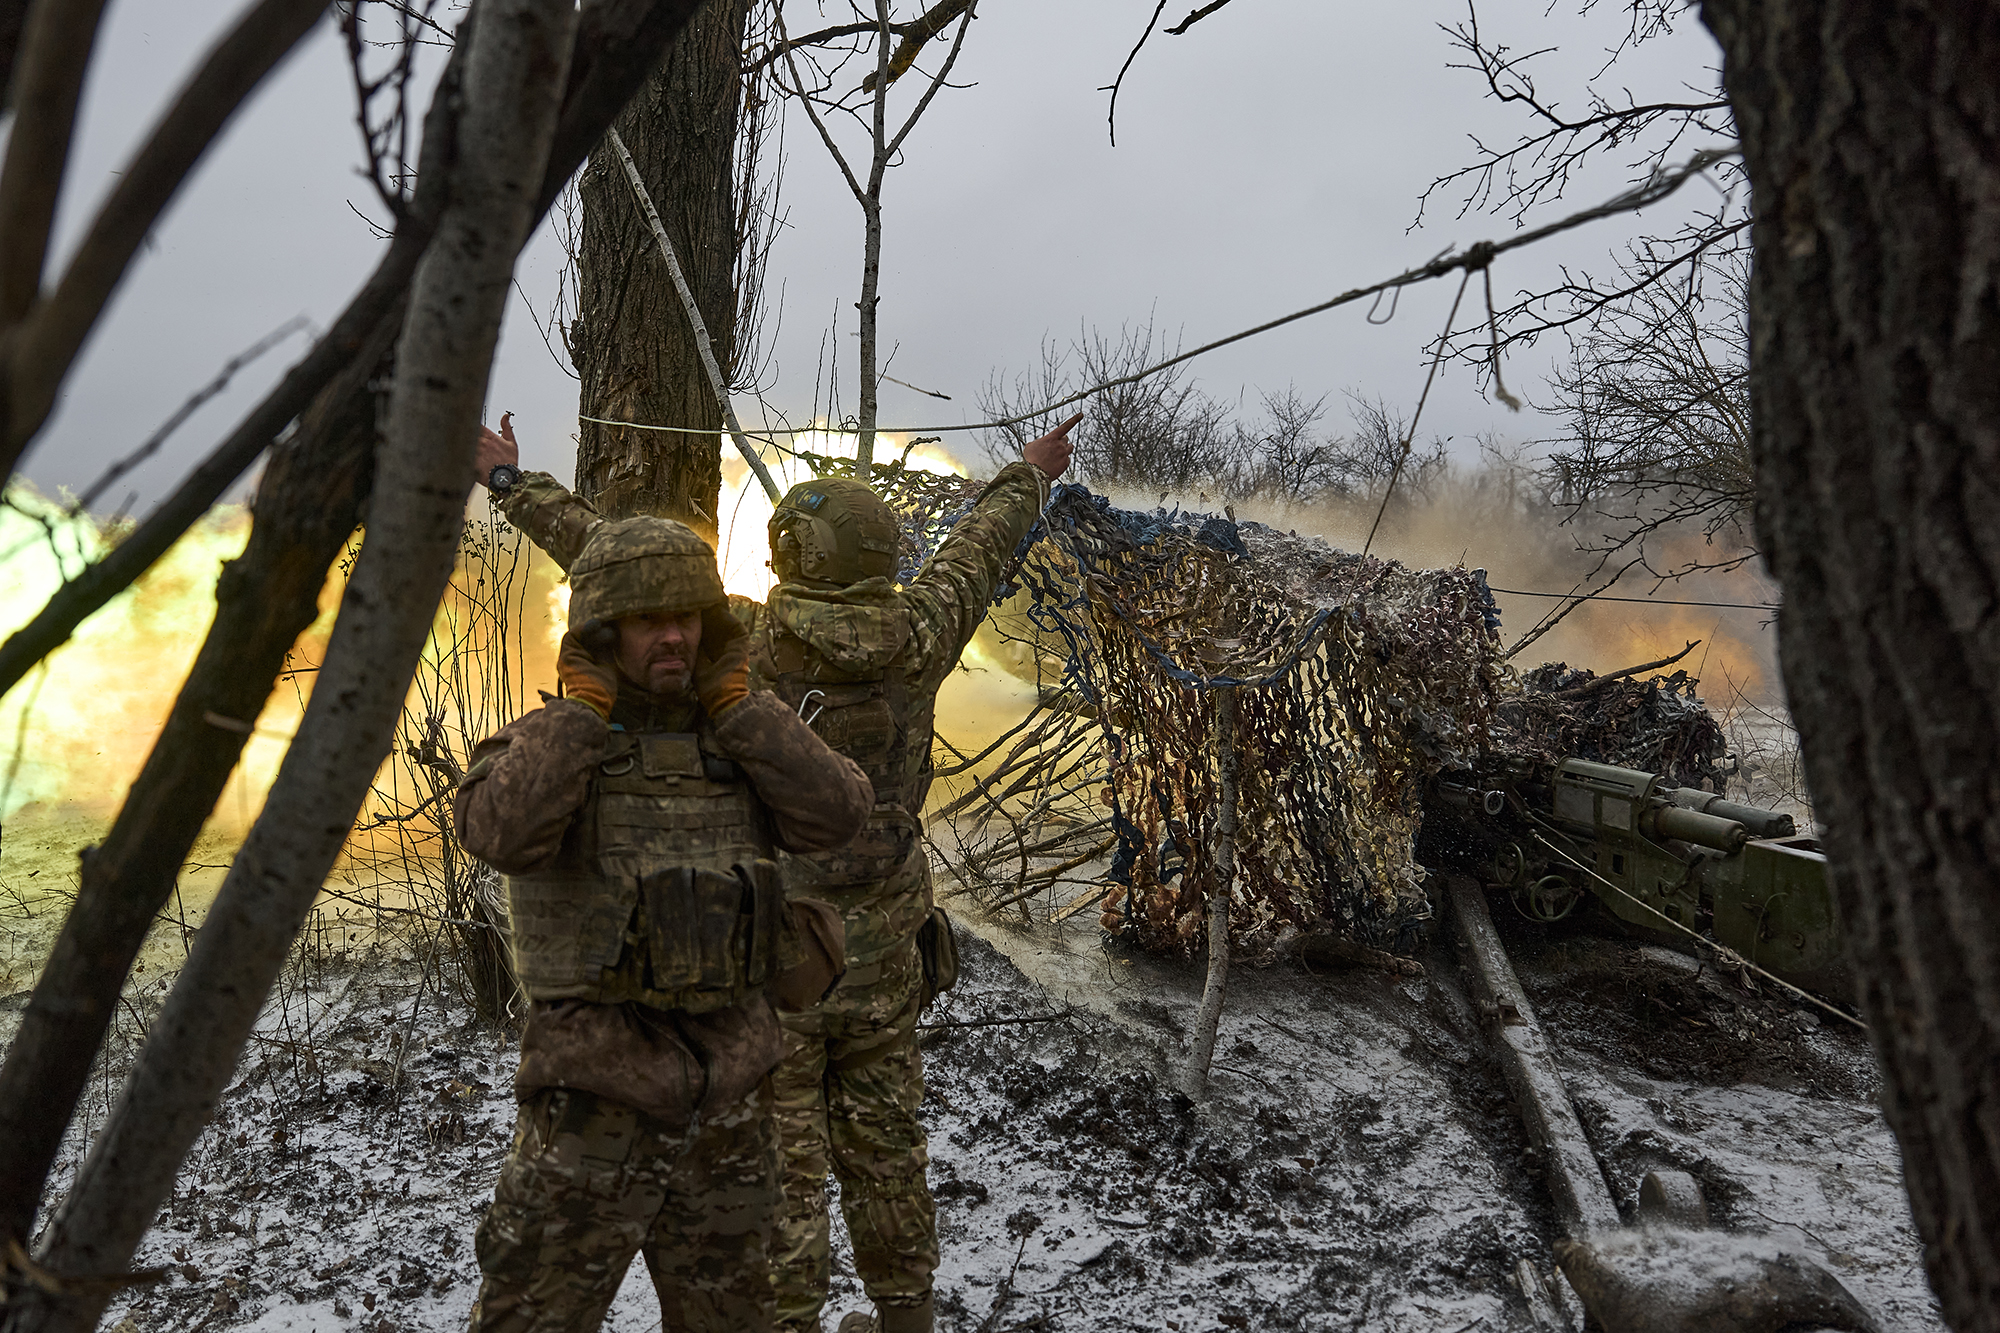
[1554, 618]
[1329, 950]
[998, 741]
[1588, 687]
[994, 1022]
[1041, 879]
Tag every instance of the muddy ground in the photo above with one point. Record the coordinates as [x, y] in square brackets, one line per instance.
[1357, 1164]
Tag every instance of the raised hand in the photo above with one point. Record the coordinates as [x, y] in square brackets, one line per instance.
[1051, 453]
[496, 448]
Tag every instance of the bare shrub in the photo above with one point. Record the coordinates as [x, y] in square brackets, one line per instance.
[1163, 434]
[1655, 401]
[403, 863]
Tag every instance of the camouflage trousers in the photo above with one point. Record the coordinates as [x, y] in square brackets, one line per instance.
[591, 1182]
[847, 1094]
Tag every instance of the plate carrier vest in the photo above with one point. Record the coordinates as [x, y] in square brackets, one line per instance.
[871, 718]
[678, 835]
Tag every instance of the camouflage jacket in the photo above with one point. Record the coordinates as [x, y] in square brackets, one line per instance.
[921, 629]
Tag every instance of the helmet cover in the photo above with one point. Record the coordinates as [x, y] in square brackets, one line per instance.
[634, 566]
[833, 530]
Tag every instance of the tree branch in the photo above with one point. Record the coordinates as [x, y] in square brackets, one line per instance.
[915, 35]
[805, 100]
[1590, 687]
[625, 38]
[55, 49]
[969, 9]
[1196, 17]
[47, 343]
[1553, 156]
[1111, 112]
[187, 409]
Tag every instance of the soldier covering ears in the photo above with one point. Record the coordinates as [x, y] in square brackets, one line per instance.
[637, 821]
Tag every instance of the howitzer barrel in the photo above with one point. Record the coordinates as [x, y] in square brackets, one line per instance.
[1762, 823]
[1703, 830]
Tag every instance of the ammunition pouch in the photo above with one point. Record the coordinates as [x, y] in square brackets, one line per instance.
[872, 720]
[823, 935]
[937, 949]
[712, 935]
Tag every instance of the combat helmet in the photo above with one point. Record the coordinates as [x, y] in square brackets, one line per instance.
[833, 531]
[631, 566]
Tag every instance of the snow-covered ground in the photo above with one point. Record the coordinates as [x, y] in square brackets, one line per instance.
[1357, 1164]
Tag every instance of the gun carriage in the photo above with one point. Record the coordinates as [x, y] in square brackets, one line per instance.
[1673, 862]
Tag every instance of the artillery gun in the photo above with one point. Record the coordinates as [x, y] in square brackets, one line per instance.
[1661, 861]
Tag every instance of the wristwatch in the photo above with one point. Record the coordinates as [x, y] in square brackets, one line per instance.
[502, 478]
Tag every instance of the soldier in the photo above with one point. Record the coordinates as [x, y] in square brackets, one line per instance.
[863, 660]
[637, 821]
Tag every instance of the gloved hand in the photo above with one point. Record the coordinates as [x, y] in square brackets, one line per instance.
[722, 667]
[583, 665]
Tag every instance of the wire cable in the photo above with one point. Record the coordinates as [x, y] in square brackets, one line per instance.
[1646, 601]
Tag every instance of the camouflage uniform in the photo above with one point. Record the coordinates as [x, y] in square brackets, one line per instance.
[851, 1080]
[591, 1181]
[648, 923]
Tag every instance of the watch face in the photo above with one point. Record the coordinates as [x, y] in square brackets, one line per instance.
[503, 477]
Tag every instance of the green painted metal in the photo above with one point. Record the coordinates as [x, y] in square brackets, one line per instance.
[1645, 852]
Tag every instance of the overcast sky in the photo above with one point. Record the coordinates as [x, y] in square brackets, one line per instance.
[1268, 159]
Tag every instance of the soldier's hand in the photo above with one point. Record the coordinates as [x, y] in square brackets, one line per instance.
[722, 666]
[583, 664]
[495, 448]
[1051, 453]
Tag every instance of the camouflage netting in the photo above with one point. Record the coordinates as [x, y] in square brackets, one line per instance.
[1658, 725]
[1356, 681]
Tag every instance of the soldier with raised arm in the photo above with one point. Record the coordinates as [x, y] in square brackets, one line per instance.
[637, 821]
[862, 659]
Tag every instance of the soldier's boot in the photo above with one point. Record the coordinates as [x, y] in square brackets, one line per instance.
[908, 1318]
[892, 1319]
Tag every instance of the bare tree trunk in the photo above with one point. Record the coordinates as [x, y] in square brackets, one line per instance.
[514, 75]
[1872, 136]
[13, 17]
[308, 502]
[1208, 1019]
[55, 45]
[871, 248]
[305, 511]
[635, 351]
[870, 355]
